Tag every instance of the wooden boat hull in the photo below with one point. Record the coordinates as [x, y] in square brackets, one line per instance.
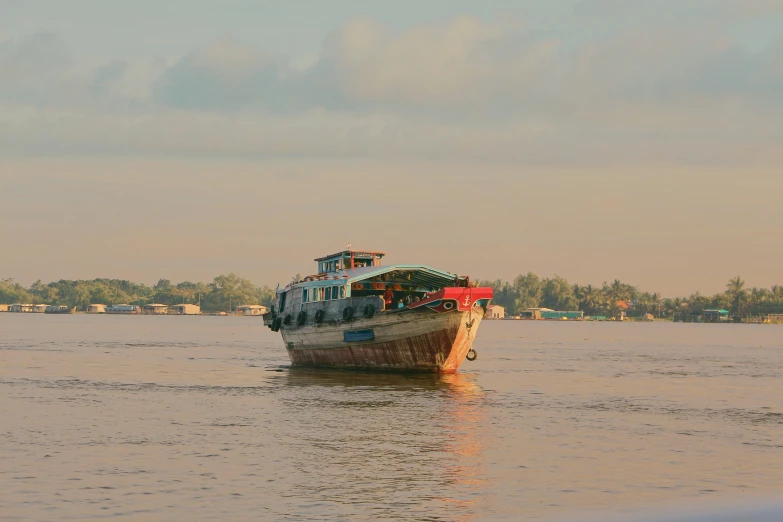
[418, 340]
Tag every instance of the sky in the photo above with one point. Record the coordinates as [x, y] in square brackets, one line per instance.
[593, 139]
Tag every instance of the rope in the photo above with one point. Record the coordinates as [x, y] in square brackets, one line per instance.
[469, 324]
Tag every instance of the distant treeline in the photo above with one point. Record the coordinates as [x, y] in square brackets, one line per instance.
[224, 293]
[532, 291]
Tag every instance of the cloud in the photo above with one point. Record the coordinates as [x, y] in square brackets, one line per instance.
[224, 75]
[462, 89]
[460, 64]
[731, 9]
[468, 68]
[29, 65]
[673, 12]
[438, 64]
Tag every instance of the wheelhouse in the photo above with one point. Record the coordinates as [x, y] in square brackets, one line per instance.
[348, 259]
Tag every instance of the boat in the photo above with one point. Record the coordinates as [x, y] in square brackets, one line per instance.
[61, 309]
[125, 309]
[355, 313]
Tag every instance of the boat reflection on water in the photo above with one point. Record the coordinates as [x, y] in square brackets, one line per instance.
[459, 384]
[396, 442]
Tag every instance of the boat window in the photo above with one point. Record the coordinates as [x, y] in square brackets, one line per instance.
[328, 293]
[335, 292]
[304, 295]
[342, 292]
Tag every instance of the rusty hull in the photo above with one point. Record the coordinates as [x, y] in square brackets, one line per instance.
[417, 342]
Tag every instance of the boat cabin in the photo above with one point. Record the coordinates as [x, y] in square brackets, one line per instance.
[348, 259]
[357, 278]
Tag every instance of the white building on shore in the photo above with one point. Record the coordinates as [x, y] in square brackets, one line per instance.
[495, 312]
[155, 309]
[251, 309]
[27, 308]
[185, 309]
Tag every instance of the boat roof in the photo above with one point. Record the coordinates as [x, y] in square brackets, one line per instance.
[421, 275]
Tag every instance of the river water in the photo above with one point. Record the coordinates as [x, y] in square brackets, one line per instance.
[194, 418]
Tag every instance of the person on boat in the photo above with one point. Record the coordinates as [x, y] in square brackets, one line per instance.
[388, 297]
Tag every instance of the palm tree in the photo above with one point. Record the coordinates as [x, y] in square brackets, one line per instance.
[578, 291]
[591, 300]
[698, 302]
[617, 290]
[737, 293]
[655, 303]
[644, 302]
[675, 305]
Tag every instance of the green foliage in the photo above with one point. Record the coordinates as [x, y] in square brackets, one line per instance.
[531, 291]
[224, 293]
[266, 296]
[11, 292]
[558, 294]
